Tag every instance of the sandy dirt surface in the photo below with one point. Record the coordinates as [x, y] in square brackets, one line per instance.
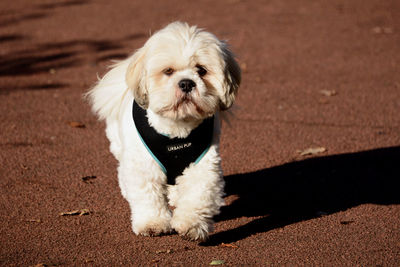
[316, 74]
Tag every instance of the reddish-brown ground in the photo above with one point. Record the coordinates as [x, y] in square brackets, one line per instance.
[339, 207]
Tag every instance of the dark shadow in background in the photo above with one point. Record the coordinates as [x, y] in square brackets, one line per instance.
[48, 57]
[33, 62]
[9, 21]
[11, 38]
[54, 56]
[33, 87]
[42, 58]
[57, 4]
[59, 55]
[308, 189]
[13, 16]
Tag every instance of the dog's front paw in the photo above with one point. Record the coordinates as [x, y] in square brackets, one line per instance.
[151, 225]
[192, 226]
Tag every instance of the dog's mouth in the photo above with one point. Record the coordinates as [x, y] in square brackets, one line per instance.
[187, 102]
[185, 107]
[184, 100]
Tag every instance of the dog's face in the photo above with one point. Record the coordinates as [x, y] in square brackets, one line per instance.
[184, 73]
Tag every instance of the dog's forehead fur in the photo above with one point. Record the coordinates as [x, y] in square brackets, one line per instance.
[180, 46]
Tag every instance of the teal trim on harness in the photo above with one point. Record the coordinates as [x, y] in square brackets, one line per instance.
[202, 154]
[151, 153]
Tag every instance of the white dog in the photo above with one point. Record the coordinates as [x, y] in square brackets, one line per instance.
[161, 107]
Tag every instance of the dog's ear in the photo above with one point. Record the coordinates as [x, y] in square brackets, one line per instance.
[135, 78]
[232, 78]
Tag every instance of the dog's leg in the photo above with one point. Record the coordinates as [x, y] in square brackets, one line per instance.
[146, 195]
[197, 197]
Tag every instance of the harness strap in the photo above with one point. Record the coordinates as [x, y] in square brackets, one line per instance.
[173, 155]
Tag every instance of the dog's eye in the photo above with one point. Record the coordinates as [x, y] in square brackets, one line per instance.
[168, 71]
[201, 70]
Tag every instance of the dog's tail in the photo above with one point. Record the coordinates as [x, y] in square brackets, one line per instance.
[107, 95]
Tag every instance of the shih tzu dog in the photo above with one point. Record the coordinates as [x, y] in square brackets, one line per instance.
[161, 106]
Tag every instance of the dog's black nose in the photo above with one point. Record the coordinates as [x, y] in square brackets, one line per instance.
[186, 85]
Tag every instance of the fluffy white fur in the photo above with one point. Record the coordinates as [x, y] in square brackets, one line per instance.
[151, 76]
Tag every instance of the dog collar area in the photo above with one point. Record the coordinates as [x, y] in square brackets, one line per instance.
[173, 155]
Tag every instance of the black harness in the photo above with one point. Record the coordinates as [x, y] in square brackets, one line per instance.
[173, 154]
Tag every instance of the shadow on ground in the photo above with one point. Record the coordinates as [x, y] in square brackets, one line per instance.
[308, 189]
[12, 16]
[24, 57]
[55, 56]
[59, 55]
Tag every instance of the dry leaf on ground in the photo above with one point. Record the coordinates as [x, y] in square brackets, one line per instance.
[75, 212]
[228, 245]
[168, 251]
[312, 151]
[76, 124]
[217, 262]
[328, 92]
[87, 179]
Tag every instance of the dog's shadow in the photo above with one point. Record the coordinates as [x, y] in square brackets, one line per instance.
[307, 189]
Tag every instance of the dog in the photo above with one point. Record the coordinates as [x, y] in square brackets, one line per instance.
[162, 110]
